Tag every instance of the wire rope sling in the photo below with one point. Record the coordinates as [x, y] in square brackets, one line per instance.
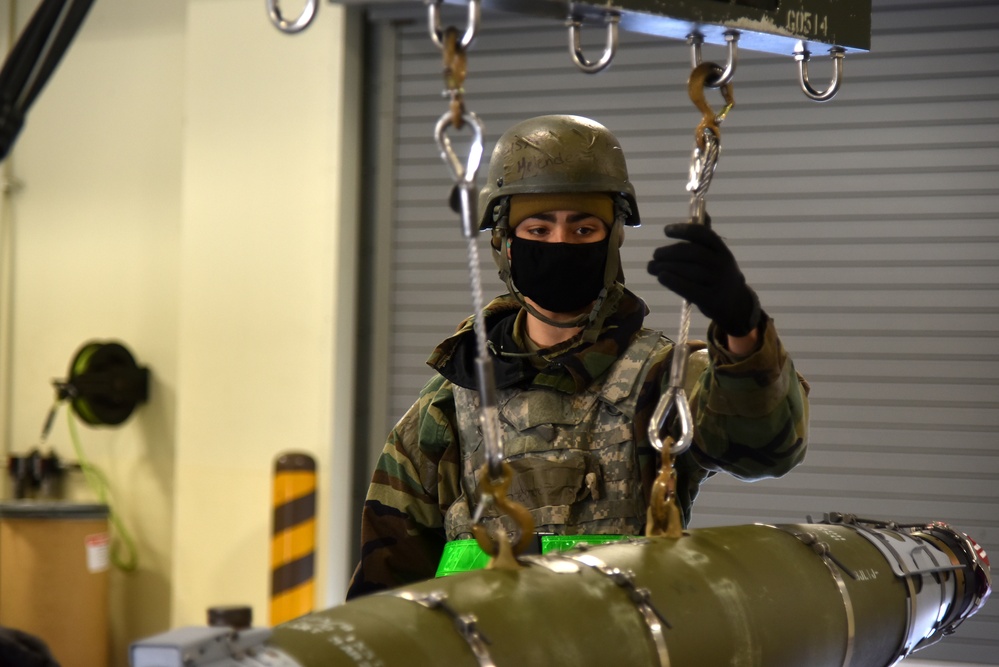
[663, 513]
[495, 475]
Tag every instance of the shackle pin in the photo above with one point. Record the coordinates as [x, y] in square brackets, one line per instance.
[575, 26]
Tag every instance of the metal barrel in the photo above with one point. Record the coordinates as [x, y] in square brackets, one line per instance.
[820, 595]
[293, 541]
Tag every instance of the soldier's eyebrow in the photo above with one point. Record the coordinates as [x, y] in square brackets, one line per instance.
[575, 218]
[580, 216]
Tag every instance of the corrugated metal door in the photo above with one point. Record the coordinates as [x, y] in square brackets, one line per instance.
[868, 225]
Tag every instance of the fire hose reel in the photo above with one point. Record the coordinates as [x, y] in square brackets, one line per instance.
[105, 384]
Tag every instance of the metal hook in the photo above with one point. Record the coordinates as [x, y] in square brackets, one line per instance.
[696, 84]
[695, 40]
[434, 21]
[498, 489]
[575, 46]
[663, 518]
[801, 56]
[299, 24]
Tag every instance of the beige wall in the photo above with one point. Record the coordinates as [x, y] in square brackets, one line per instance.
[182, 192]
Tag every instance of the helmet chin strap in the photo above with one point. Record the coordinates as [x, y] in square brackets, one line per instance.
[606, 302]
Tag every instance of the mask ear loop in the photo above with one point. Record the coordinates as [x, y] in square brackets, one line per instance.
[611, 293]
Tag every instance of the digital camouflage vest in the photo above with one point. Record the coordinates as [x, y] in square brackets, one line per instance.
[573, 455]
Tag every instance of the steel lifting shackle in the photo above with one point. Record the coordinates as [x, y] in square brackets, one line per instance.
[434, 23]
[802, 55]
[695, 40]
[702, 166]
[299, 24]
[575, 26]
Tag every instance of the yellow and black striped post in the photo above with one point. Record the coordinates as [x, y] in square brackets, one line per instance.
[293, 541]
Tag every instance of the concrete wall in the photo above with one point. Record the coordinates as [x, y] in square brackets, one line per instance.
[182, 190]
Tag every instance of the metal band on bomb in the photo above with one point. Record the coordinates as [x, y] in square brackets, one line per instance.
[640, 596]
[465, 624]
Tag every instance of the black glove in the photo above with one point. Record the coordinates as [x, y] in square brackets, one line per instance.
[703, 271]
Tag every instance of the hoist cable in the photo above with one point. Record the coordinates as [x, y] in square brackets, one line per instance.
[704, 159]
[495, 476]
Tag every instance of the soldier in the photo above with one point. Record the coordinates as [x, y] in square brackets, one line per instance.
[577, 374]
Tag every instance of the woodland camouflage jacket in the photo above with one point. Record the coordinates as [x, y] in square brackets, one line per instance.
[750, 415]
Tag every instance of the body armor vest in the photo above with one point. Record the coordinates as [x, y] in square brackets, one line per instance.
[574, 456]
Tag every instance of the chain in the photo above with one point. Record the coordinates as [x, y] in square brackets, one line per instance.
[455, 70]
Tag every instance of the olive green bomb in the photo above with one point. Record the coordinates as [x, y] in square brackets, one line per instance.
[838, 592]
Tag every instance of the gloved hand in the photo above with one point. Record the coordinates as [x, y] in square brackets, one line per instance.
[702, 270]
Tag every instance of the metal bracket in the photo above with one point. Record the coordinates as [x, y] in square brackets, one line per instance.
[641, 597]
[465, 624]
[822, 550]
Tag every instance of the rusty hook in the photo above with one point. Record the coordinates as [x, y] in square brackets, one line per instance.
[696, 85]
[663, 515]
[455, 69]
[500, 549]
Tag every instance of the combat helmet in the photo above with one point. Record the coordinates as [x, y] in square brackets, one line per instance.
[559, 154]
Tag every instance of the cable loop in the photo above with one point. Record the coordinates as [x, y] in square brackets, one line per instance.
[696, 39]
[299, 24]
[675, 398]
[575, 25]
[462, 172]
[802, 55]
[434, 23]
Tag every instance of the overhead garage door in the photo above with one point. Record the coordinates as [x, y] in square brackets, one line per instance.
[868, 226]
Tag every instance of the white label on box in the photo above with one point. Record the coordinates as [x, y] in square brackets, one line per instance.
[97, 552]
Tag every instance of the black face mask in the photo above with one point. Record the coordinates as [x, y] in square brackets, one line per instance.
[560, 277]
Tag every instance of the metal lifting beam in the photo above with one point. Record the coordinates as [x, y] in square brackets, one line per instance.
[773, 26]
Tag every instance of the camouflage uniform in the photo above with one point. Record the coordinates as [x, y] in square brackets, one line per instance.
[750, 416]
